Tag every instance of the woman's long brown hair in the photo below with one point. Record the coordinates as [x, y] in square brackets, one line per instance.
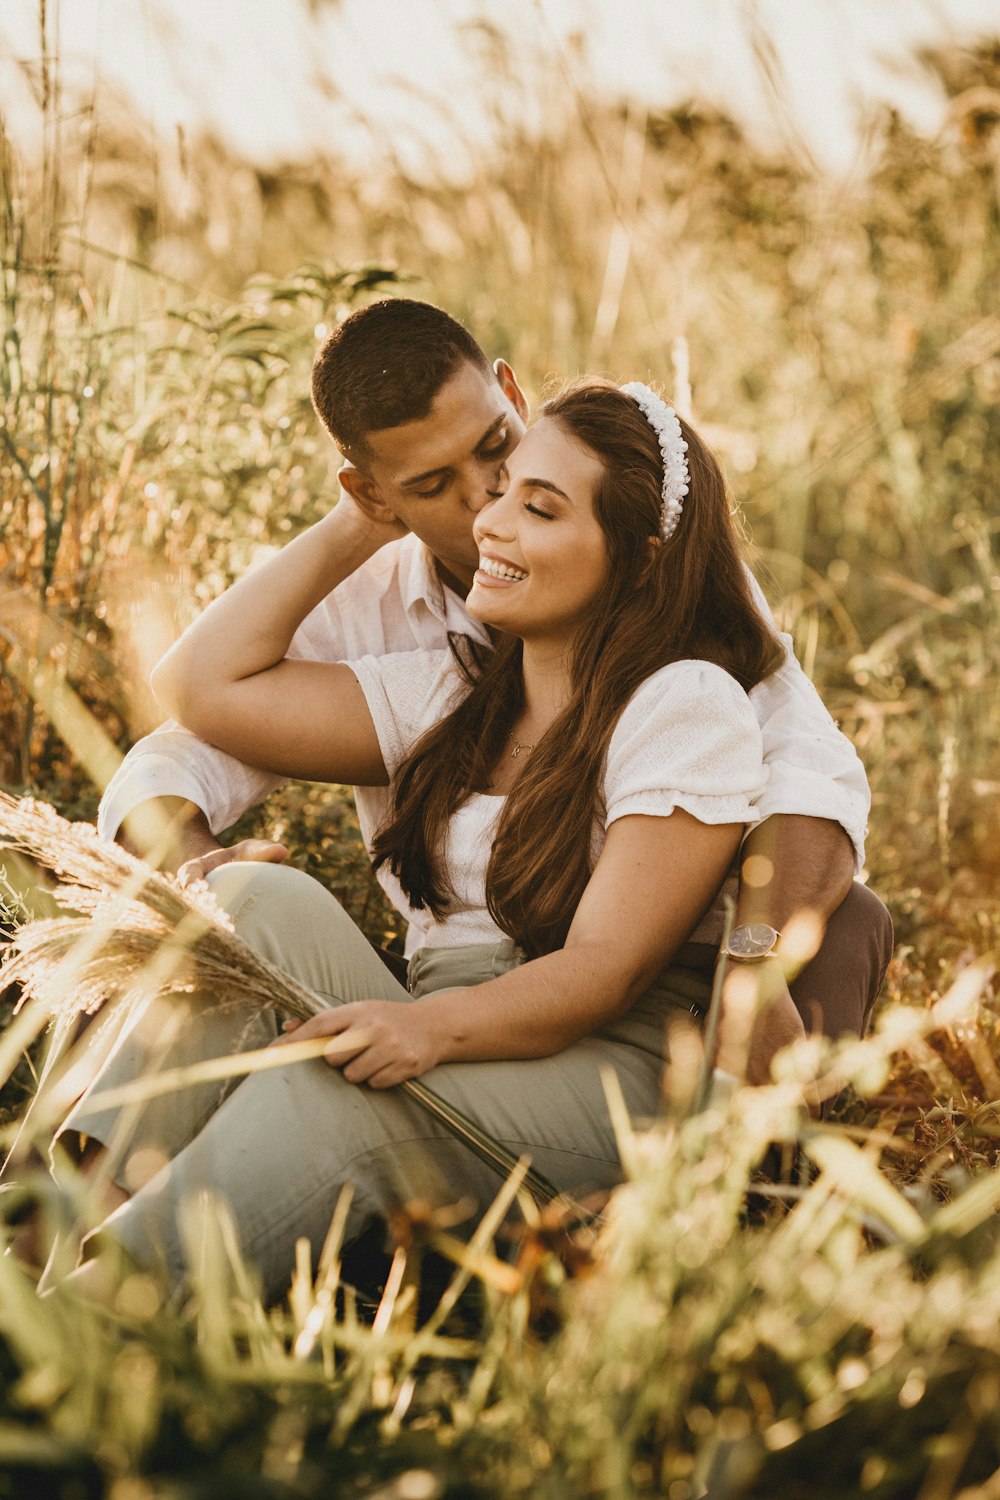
[661, 602]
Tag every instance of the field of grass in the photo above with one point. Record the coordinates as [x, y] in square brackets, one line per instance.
[835, 1333]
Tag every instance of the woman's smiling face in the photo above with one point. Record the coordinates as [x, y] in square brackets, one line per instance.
[543, 558]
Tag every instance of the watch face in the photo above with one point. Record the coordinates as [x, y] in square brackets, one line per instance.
[753, 941]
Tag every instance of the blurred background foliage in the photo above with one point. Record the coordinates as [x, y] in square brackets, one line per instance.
[839, 335]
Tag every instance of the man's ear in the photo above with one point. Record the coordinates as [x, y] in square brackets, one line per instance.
[366, 495]
[510, 388]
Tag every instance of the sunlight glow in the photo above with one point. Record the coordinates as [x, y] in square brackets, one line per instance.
[367, 78]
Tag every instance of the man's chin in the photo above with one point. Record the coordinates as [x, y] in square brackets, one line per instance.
[456, 574]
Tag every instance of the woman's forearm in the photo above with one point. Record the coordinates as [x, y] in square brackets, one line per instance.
[652, 882]
[533, 1011]
[536, 1009]
[655, 878]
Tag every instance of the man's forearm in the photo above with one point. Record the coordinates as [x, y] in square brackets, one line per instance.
[791, 867]
[250, 627]
[167, 831]
[791, 864]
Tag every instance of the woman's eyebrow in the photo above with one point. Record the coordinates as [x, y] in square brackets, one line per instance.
[491, 430]
[546, 484]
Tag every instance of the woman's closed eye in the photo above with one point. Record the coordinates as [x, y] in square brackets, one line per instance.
[546, 515]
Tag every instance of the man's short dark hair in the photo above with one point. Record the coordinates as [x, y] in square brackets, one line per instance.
[384, 365]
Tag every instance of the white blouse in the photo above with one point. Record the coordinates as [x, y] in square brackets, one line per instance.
[687, 738]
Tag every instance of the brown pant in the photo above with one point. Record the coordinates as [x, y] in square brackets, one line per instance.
[835, 993]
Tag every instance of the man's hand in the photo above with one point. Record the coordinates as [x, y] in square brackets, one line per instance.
[394, 1040]
[175, 835]
[262, 851]
[758, 1018]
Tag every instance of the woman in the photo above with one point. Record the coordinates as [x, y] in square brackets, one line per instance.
[566, 812]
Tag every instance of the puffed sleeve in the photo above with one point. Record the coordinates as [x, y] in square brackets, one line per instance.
[406, 693]
[687, 738]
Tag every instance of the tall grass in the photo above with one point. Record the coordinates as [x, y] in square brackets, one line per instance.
[813, 1318]
[839, 1341]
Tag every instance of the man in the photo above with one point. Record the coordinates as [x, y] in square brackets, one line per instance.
[425, 424]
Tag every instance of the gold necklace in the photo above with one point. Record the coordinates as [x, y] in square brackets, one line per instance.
[518, 747]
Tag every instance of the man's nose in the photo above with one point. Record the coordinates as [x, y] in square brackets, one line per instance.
[489, 484]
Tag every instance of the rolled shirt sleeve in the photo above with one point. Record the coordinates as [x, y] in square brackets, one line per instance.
[171, 762]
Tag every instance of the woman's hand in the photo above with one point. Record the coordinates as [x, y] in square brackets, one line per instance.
[393, 1040]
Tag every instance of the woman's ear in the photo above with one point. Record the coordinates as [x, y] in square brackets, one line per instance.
[366, 495]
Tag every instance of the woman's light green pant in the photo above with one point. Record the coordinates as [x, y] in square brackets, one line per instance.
[281, 1144]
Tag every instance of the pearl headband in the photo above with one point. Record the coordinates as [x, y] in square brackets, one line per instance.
[663, 420]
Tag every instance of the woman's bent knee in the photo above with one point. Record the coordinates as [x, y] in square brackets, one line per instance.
[297, 925]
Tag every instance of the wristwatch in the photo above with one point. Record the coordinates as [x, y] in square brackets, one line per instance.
[752, 942]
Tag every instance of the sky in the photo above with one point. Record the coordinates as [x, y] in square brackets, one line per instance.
[284, 78]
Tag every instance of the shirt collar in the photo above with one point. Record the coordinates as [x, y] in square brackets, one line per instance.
[423, 590]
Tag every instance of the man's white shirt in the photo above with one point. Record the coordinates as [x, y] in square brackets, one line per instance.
[396, 602]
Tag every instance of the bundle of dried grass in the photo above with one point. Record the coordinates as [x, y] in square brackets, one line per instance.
[136, 929]
[138, 933]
